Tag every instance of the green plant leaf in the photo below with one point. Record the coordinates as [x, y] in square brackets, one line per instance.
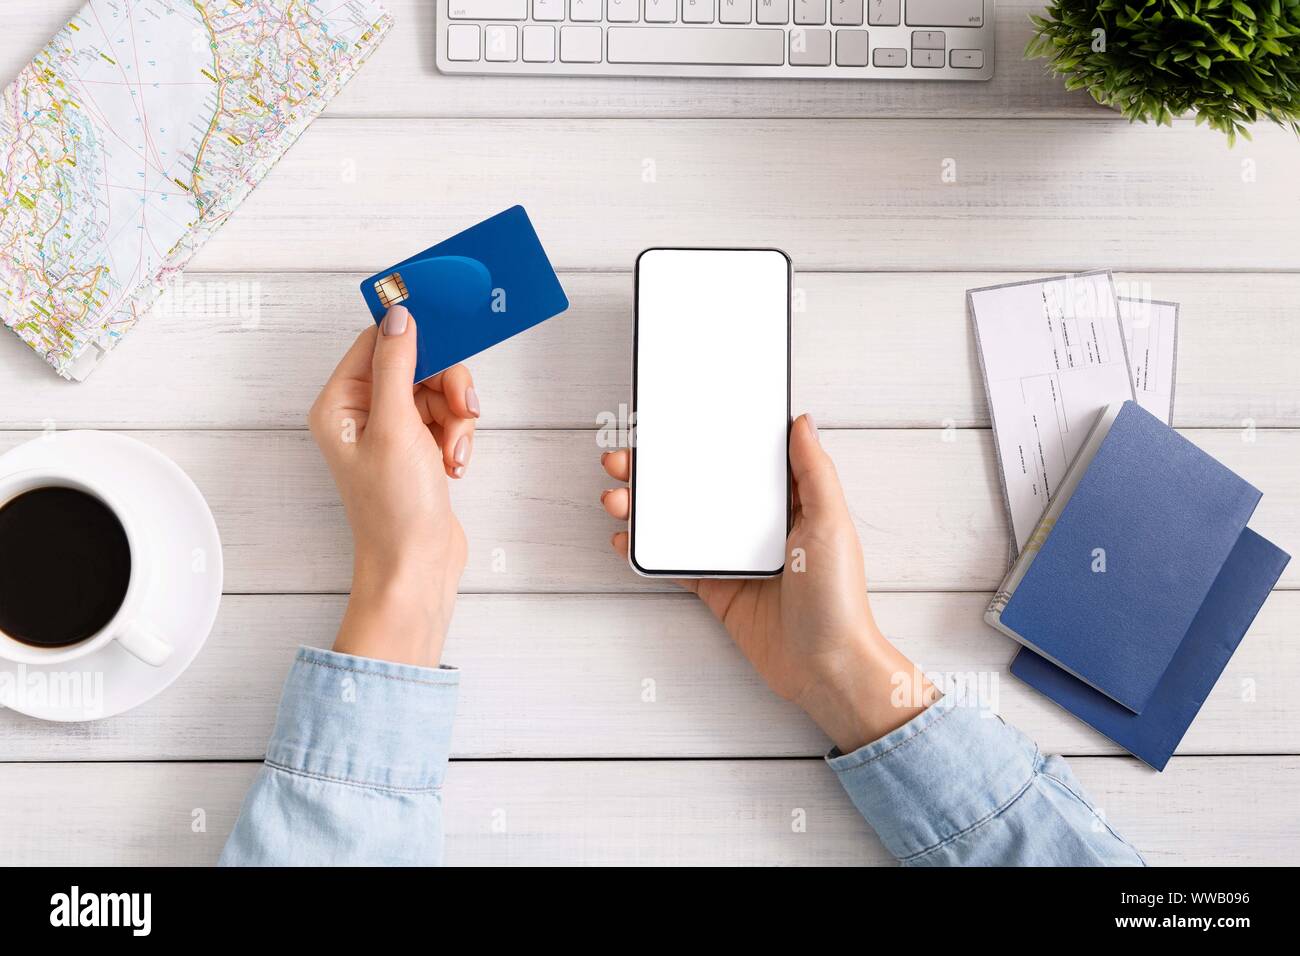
[1228, 62]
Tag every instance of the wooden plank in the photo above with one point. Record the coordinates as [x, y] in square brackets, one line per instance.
[640, 812]
[927, 505]
[872, 350]
[636, 676]
[402, 80]
[355, 195]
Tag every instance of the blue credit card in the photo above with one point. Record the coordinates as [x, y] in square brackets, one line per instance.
[471, 291]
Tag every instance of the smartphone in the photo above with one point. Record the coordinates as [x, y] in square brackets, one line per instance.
[711, 413]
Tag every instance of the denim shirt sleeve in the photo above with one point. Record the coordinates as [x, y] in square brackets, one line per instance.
[958, 786]
[355, 766]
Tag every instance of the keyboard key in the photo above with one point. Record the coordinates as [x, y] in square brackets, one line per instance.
[712, 45]
[851, 47]
[548, 9]
[734, 11]
[945, 13]
[501, 42]
[966, 59]
[847, 13]
[580, 44]
[810, 11]
[539, 44]
[773, 11]
[660, 11]
[488, 10]
[462, 42]
[622, 11]
[883, 13]
[927, 58]
[697, 11]
[927, 40]
[810, 47]
[889, 56]
[584, 11]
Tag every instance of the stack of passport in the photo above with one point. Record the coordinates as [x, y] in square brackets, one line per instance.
[1138, 584]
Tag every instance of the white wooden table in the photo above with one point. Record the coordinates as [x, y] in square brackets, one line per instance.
[558, 755]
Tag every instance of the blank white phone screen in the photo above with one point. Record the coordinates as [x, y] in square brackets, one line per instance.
[710, 481]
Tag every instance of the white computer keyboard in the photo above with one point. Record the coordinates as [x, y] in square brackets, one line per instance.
[827, 39]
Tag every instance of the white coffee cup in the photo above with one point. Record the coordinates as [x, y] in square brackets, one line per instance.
[129, 626]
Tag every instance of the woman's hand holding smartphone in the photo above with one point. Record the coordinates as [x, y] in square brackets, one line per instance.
[710, 473]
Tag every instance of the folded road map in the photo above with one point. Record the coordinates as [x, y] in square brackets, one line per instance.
[133, 135]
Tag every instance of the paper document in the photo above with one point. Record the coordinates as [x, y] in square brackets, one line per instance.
[1053, 356]
[1151, 338]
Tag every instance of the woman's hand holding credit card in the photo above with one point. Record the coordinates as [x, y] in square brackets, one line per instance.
[391, 447]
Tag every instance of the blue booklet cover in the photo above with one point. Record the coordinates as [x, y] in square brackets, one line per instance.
[1119, 579]
[1244, 582]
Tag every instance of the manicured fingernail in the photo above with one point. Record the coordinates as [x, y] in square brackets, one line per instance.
[461, 455]
[604, 494]
[813, 426]
[395, 320]
[458, 471]
[471, 401]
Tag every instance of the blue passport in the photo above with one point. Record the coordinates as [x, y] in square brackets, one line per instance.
[1245, 580]
[1112, 580]
[472, 291]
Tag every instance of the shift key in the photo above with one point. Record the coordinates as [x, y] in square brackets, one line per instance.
[487, 9]
[945, 13]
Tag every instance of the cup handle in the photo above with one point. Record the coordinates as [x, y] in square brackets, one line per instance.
[146, 644]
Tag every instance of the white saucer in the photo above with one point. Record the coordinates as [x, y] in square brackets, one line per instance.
[182, 605]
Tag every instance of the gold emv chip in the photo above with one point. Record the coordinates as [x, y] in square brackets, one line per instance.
[391, 289]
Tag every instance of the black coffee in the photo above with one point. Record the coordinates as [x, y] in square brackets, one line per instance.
[64, 566]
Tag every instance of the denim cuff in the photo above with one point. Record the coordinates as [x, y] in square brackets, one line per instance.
[365, 722]
[943, 773]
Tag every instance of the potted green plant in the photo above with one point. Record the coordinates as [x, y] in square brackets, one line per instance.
[1230, 62]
